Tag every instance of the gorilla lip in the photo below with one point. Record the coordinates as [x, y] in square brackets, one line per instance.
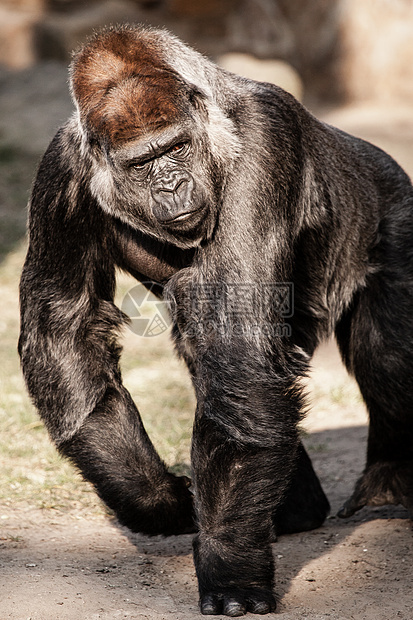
[182, 217]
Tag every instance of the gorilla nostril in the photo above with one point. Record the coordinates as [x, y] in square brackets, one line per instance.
[171, 188]
[180, 183]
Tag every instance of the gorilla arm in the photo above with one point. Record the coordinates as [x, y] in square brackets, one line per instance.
[69, 352]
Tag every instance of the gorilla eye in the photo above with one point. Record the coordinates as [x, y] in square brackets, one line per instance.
[140, 165]
[179, 148]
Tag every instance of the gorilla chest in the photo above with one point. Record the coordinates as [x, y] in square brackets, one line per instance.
[145, 256]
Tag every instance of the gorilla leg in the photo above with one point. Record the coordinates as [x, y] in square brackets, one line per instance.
[235, 489]
[375, 338]
[305, 506]
[243, 455]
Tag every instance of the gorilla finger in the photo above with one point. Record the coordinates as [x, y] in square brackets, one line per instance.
[234, 607]
[210, 604]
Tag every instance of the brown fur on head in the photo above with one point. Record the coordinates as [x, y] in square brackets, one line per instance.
[123, 87]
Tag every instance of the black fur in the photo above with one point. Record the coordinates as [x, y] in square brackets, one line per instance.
[280, 198]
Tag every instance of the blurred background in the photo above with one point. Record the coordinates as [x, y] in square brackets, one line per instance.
[342, 49]
[349, 61]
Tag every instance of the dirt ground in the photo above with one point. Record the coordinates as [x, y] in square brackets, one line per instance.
[56, 566]
[66, 567]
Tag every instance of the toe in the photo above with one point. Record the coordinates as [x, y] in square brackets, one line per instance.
[261, 607]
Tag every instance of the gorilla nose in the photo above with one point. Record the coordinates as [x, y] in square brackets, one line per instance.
[173, 203]
[171, 187]
[177, 187]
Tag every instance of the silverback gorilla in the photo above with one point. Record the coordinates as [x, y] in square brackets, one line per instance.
[201, 181]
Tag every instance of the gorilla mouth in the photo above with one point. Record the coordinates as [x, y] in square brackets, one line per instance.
[179, 218]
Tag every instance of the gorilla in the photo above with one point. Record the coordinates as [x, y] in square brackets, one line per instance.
[219, 191]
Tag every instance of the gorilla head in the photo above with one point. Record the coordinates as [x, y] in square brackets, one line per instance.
[154, 132]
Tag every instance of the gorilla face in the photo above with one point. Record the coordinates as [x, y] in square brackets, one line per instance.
[161, 185]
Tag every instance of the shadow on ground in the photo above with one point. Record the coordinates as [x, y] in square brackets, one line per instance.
[54, 565]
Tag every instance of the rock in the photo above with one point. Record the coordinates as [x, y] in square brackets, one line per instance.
[17, 23]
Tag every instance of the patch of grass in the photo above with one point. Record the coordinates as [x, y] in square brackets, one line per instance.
[160, 386]
[317, 448]
[345, 394]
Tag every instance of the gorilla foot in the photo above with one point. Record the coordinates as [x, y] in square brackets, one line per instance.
[382, 484]
[234, 603]
[305, 506]
[302, 516]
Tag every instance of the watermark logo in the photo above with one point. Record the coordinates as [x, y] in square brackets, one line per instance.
[228, 309]
[149, 316]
